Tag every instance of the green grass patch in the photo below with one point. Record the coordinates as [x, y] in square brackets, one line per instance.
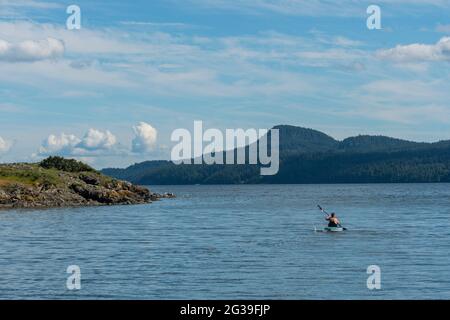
[29, 174]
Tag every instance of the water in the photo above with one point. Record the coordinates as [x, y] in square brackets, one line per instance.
[236, 242]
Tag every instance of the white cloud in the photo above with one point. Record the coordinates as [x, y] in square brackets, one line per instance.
[97, 140]
[5, 145]
[94, 142]
[62, 144]
[30, 50]
[418, 52]
[115, 58]
[84, 41]
[145, 138]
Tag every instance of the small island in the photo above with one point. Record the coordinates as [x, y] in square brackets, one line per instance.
[59, 182]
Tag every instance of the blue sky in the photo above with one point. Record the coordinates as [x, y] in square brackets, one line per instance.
[112, 92]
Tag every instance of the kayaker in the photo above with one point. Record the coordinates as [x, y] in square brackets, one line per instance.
[333, 221]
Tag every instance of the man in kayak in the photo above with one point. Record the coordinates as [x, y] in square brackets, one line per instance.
[333, 221]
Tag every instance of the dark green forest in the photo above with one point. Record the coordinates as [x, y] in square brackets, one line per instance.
[310, 156]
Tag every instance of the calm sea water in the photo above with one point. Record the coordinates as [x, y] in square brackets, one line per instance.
[231, 242]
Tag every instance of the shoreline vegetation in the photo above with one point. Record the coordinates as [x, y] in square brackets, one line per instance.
[59, 182]
[309, 156]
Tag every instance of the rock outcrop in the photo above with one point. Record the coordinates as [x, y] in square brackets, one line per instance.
[32, 186]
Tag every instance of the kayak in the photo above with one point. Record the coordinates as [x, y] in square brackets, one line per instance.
[334, 229]
[338, 227]
[330, 229]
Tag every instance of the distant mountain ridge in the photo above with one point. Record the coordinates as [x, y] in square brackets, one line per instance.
[311, 156]
[300, 139]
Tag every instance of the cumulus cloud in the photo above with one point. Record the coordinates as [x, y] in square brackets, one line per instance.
[98, 143]
[98, 140]
[94, 142]
[31, 50]
[439, 51]
[62, 144]
[5, 145]
[145, 138]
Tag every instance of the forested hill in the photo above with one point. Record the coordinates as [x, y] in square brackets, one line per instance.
[310, 156]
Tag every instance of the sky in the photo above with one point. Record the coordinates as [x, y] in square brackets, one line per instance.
[112, 92]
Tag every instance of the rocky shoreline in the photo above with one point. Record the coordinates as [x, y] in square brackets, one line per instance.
[32, 186]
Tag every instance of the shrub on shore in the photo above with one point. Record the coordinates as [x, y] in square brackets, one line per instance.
[68, 165]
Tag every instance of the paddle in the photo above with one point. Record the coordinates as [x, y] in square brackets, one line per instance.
[323, 210]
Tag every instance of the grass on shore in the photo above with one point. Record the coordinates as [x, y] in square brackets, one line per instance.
[28, 174]
[53, 171]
